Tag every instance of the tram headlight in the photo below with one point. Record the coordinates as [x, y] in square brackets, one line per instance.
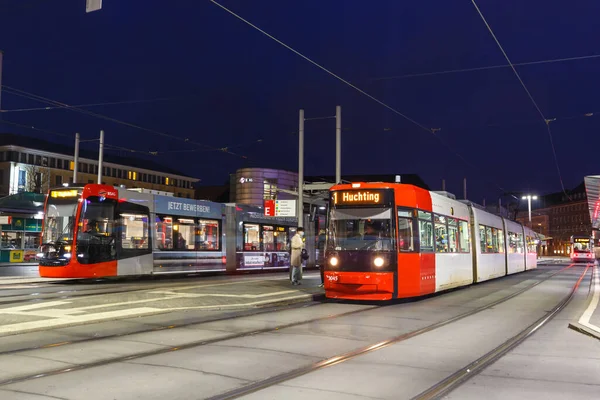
[333, 261]
[378, 262]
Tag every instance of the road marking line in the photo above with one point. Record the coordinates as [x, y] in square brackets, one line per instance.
[68, 320]
[587, 315]
[176, 295]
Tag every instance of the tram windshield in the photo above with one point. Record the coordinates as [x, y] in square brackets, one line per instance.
[96, 237]
[581, 246]
[367, 229]
[59, 220]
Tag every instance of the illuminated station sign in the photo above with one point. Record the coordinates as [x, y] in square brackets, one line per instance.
[61, 194]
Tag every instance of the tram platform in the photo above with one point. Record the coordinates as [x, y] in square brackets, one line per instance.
[589, 320]
[30, 307]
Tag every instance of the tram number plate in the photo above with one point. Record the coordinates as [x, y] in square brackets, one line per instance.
[332, 278]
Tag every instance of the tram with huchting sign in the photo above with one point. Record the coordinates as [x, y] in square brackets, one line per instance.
[390, 241]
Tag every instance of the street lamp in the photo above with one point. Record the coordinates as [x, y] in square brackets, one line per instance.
[529, 198]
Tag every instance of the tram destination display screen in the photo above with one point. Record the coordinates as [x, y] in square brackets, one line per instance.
[582, 240]
[362, 198]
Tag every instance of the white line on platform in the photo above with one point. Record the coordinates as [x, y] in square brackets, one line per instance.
[587, 315]
[69, 320]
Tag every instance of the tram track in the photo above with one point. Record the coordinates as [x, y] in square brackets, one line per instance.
[331, 361]
[275, 379]
[14, 299]
[458, 378]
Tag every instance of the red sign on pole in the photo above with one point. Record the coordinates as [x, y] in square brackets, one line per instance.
[269, 208]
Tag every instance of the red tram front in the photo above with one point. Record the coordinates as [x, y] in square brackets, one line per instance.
[80, 237]
[370, 251]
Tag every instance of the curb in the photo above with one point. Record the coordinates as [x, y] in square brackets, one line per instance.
[584, 329]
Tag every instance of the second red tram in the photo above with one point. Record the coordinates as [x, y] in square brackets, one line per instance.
[390, 241]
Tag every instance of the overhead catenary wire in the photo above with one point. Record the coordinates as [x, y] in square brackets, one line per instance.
[474, 69]
[321, 67]
[66, 135]
[545, 120]
[108, 103]
[121, 148]
[46, 100]
[395, 111]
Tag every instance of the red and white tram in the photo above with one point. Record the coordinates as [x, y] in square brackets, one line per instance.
[98, 231]
[389, 241]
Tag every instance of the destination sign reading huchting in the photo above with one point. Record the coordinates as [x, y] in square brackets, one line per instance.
[362, 197]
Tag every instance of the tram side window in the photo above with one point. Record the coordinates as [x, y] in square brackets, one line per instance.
[133, 237]
[281, 239]
[425, 232]
[252, 237]
[452, 235]
[174, 233]
[492, 240]
[207, 235]
[184, 234]
[405, 231]
[521, 248]
[500, 241]
[516, 242]
[531, 246]
[268, 238]
[464, 236]
[164, 233]
[441, 234]
[482, 239]
[134, 231]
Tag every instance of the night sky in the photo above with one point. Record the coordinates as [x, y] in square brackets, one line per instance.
[206, 76]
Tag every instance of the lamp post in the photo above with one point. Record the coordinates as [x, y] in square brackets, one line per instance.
[529, 198]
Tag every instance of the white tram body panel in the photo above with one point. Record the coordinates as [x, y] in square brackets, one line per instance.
[452, 269]
[488, 265]
[137, 264]
[515, 249]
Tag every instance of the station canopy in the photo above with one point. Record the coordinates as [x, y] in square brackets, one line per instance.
[22, 203]
[592, 189]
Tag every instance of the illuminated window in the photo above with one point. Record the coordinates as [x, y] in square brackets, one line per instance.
[166, 181]
[132, 175]
[270, 189]
[71, 165]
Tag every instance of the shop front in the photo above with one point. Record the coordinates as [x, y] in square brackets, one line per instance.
[20, 226]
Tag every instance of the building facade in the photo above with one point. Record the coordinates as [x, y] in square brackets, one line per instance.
[252, 186]
[558, 216]
[31, 167]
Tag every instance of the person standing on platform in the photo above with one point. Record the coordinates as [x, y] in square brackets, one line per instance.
[296, 256]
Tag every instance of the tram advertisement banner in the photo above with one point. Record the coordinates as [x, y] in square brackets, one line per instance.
[260, 260]
[187, 207]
